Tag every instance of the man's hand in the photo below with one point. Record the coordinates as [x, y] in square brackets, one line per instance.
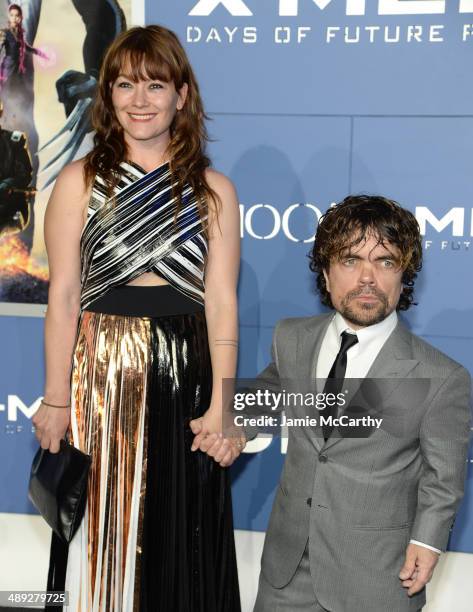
[418, 568]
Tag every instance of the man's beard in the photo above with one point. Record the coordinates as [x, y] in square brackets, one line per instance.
[369, 313]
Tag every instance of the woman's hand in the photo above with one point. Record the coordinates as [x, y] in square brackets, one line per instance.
[51, 424]
[209, 438]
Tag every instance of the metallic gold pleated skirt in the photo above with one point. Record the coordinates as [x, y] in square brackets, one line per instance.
[157, 535]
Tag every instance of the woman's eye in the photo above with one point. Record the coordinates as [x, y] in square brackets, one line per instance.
[156, 86]
[124, 84]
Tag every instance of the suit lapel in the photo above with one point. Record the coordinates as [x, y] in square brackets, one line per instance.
[308, 349]
[395, 359]
[393, 364]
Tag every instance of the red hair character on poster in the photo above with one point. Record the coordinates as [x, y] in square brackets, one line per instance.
[14, 46]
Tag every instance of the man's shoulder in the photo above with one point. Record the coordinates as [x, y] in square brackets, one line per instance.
[296, 324]
[432, 357]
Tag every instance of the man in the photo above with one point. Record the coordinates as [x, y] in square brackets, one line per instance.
[15, 176]
[360, 519]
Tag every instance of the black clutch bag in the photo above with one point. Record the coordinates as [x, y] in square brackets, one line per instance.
[58, 488]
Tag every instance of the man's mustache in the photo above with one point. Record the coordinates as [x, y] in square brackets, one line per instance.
[360, 292]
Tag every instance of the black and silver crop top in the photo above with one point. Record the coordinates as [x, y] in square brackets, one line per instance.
[136, 233]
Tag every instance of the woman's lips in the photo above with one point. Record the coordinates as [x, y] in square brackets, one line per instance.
[142, 118]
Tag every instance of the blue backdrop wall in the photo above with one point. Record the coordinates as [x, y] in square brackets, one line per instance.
[311, 100]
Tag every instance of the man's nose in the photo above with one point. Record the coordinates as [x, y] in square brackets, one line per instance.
[367, 276]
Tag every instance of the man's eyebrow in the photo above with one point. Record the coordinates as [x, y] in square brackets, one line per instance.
[349, 255]
[387, 255]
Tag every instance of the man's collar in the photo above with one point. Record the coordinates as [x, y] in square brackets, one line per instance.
[366, 334]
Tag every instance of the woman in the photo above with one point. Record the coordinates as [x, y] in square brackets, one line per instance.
[15, 47]
[130, 231]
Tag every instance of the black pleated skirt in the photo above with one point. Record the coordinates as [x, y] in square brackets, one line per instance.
[157, 535]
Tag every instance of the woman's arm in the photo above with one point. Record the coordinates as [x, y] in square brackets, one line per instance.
[221, 310]
[63, 224]
[221, 279]
[35, 51]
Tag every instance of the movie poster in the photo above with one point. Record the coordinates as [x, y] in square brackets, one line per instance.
[50, 55]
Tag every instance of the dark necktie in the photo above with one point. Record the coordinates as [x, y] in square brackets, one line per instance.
[335, 378]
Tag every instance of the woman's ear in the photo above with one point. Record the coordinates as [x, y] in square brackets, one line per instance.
[182, 96]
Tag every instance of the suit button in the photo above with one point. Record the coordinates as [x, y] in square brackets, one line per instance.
[323, 458]
[309, 501]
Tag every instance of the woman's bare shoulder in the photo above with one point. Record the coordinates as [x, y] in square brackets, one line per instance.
[220, 183]
[70, 193]
[71, 182]
[72, 172]
[226, 211]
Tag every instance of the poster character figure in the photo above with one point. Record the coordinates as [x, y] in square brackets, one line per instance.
[16, 173]
[14, 47]
[103, 21]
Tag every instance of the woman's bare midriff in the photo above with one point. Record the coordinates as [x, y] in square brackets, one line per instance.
[148, 279]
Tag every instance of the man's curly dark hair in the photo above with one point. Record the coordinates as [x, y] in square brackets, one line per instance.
[350, 222]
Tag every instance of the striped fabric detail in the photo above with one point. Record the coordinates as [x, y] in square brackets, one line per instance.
[134, 232]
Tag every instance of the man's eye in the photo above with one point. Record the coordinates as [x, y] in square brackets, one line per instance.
[350, 262]
[392, 264]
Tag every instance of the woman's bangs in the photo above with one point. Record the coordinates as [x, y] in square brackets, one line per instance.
[143, 65]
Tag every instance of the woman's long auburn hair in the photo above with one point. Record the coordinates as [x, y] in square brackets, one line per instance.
[155, 53]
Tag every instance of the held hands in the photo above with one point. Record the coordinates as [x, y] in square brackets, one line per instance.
[209, 438]
[418, 568]
[51, 424]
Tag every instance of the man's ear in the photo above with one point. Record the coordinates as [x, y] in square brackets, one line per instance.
[327, 283]
[182, 93]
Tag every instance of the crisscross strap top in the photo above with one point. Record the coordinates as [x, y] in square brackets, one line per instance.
[136, 233]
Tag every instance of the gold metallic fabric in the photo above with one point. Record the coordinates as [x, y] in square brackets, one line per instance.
[109, 388]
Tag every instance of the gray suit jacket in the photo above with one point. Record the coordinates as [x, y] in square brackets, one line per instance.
[360, 500]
